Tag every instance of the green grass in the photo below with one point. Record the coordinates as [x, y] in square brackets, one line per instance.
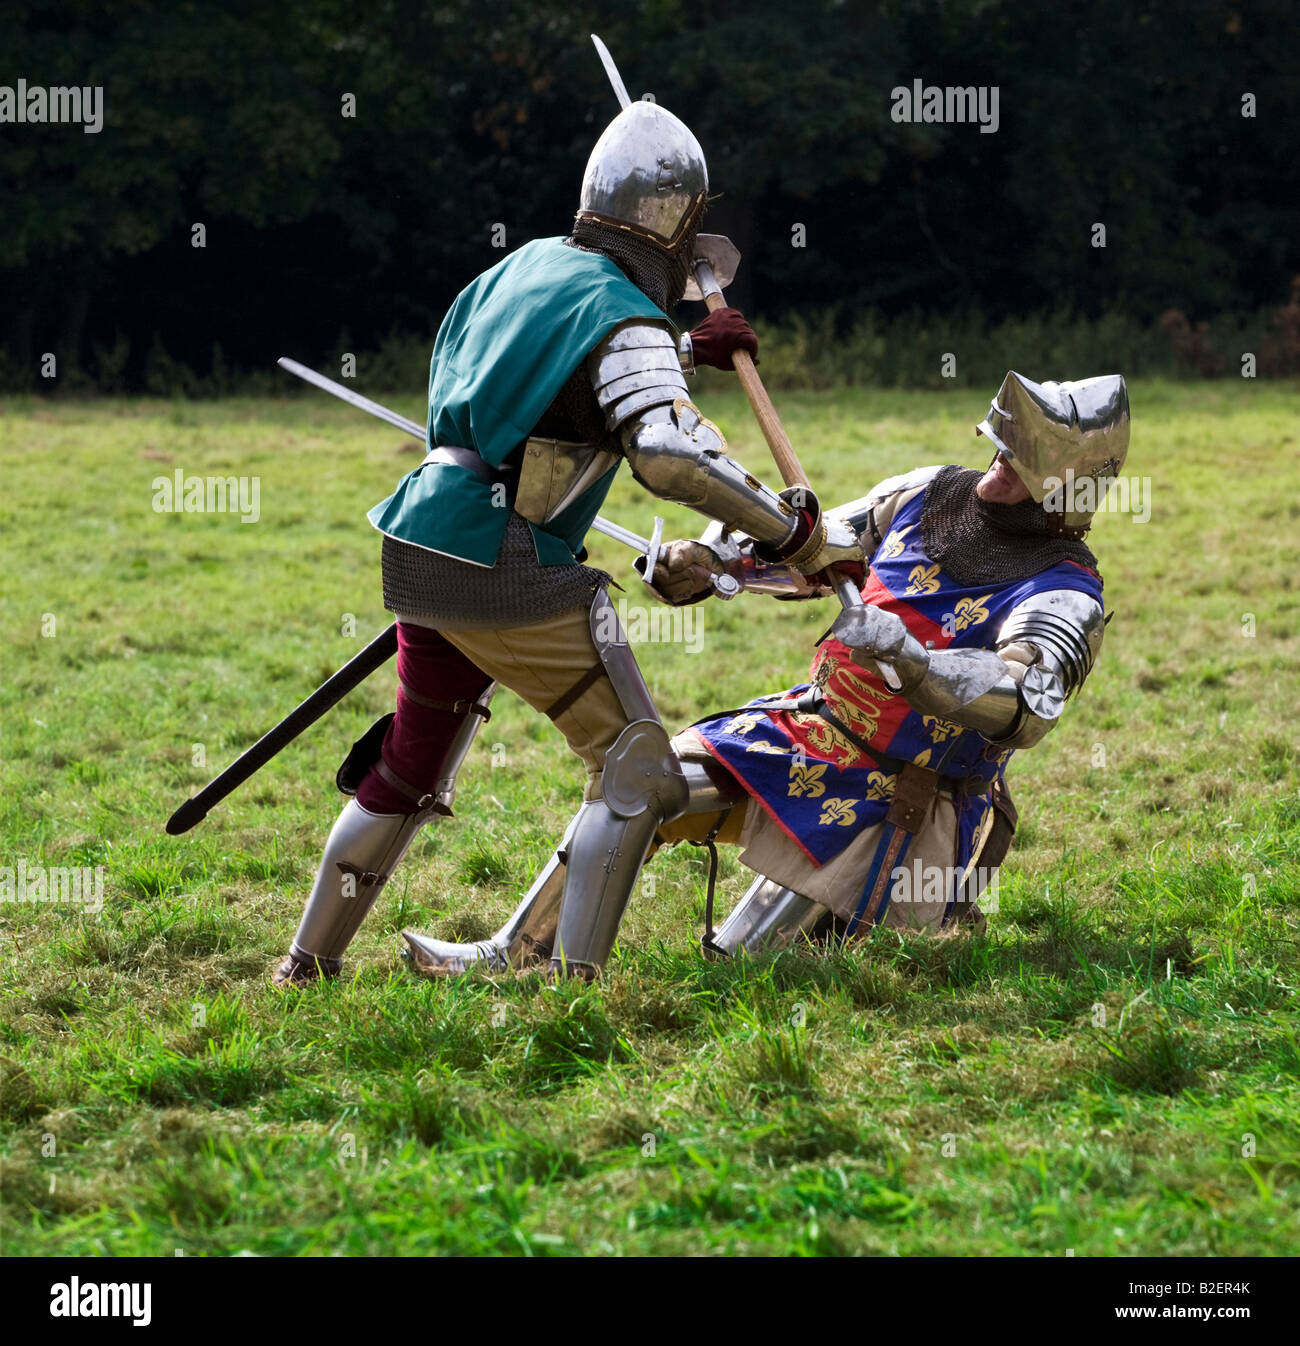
[1111, 1069]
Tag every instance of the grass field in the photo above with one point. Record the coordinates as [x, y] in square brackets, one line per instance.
[1113, 1068]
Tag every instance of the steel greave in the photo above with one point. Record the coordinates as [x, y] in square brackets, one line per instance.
[361, 853]
[768, 917]
[605, 857]
[642, 786]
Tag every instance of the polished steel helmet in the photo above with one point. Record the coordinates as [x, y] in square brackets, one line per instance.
[646, 175]
[1058, 434]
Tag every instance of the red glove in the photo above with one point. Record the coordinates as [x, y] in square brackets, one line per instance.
[722, 332]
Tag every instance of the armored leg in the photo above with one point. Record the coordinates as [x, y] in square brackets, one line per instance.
[365, 846]
[360, 855]
[526, 938]
[768, 917]
[643, 786]
[607, 841]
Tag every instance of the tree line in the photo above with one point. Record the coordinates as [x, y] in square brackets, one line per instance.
[313, 177]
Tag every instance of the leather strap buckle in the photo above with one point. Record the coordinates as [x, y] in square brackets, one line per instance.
[915, 789]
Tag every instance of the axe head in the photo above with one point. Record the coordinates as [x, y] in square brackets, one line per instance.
[722, 256]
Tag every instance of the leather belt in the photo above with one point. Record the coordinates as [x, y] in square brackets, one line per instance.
[453, 455]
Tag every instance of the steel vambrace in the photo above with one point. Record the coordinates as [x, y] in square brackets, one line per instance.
[675, 452]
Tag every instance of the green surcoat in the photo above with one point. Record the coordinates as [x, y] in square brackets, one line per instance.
[511, 340]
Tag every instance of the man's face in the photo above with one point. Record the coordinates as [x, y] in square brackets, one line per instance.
[1000, 485]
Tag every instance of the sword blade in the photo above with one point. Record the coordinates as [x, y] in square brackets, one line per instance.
[347, 395]
[620, 89]
[620, 534]
[306, 713]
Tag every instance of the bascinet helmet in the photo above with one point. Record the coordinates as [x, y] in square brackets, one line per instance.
[646, 175]
[1057, 434]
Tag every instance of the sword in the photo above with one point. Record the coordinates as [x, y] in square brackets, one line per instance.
[724, 585]
[305, 714]
[347, 395]
[620, 89]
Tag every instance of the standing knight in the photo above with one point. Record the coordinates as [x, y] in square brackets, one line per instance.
[548, 371]
[875, 792]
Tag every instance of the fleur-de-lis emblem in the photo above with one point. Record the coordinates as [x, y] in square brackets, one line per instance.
[841, 812]
[923, 580]
[879, 786]
[970, 612]
[806, 779]
[762, 745]
[940, 730]
[893, 544]
[922, 758]
[742, 723]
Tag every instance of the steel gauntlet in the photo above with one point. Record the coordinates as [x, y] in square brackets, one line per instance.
[687, 566]
[1006, 700]
[818, 542]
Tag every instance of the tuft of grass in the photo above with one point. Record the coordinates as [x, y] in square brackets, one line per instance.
[1151, 1055]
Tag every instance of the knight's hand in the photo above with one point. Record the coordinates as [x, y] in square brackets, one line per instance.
[685, 571]
[872, 633]
[720, 335]
[819, 543]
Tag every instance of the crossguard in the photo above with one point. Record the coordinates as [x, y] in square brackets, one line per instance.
[724, 586]
[651, 558]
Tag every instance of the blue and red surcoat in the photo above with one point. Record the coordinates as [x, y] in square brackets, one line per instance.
[818, 786]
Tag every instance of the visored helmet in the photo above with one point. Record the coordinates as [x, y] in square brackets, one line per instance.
[646, 175]
[1057, 434]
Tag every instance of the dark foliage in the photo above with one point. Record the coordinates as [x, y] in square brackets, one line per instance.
[328, 233]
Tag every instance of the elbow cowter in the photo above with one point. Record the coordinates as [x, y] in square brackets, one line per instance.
[679, 456]
[674, 451]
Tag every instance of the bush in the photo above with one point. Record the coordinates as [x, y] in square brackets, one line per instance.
[825, 348]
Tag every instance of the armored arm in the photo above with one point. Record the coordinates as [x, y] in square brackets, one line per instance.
[679, 455]
[685, 565]
[1014, 693]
